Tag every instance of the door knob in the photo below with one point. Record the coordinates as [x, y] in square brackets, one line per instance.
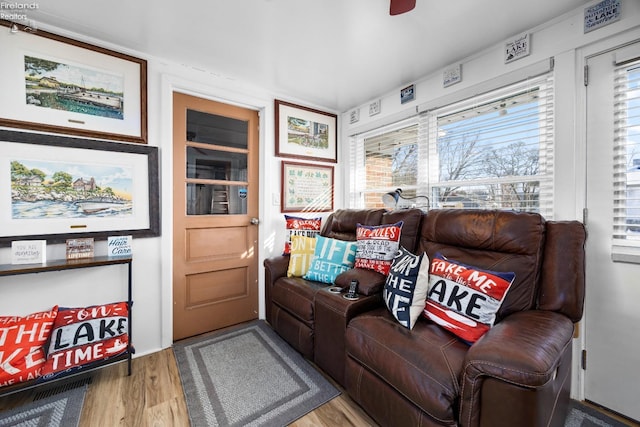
[255, 221]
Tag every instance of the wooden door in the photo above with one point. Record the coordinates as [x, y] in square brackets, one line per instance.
[215, 215]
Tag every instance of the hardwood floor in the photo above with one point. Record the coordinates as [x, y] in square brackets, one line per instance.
[152, 396]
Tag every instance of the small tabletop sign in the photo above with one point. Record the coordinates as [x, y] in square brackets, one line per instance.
[119, 246]
[29, 252]
[80, 248]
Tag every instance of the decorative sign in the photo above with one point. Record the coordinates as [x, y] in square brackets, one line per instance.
[29, 252]
[242, 193]
[601, 14]
[374, 108]
[408, 94]
[354, 116]
[119, 246]
[517, 48]
[80, 248]
[452, 75]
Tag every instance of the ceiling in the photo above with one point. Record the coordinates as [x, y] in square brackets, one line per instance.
[334, 54]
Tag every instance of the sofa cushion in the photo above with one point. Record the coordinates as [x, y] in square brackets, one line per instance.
[423, 364]
[405, 289]
[465, 299]
[302, 250]
[492, 240]
[297, 226]
[296, 295]
[331, 257]
[377, 245]
[342, 223]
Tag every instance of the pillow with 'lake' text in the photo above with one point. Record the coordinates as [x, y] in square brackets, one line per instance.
[377, 245]
[86, 335]
[296, 226]
[405, 289]
[465, 299]
[330, 258]
[302, 250]
[22, 341]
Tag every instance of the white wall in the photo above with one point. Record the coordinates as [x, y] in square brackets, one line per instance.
[152, 311]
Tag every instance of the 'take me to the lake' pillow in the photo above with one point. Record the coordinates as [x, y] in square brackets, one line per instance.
[330, 258]
[465, 299]
[377, 245]
[22, 341]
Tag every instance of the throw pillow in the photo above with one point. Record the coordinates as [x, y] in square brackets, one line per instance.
[377, 245]
[295, 226]
[302, 250]
[84, 336]
[465, 299]
[330, 258]
[22, 341]
[405, 290]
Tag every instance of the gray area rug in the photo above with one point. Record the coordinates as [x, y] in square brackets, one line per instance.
[56, 410]
[247, 376]
[580, 415]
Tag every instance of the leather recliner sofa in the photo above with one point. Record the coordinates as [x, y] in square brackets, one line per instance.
[517, 374]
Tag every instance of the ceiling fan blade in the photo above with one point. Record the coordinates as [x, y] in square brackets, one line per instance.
[401, 6]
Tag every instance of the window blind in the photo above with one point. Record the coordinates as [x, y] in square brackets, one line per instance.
[494, 151]
[626, 155]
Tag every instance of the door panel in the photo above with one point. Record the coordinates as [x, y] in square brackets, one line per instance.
[611, 376]
[215, 154]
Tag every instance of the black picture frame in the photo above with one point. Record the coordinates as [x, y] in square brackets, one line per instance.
[56, 143]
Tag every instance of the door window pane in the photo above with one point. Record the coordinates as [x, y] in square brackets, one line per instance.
[216, 165]
[216, 130]
[206, 199]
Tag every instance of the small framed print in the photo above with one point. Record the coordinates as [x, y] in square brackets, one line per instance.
[452, 75]
[408, 94]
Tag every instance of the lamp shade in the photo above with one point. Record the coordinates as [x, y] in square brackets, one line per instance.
[390, 199]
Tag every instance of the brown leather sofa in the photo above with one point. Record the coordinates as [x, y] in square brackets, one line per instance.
[517, 374]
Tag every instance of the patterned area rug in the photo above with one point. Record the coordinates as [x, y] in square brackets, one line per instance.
[247, 376]
[580, 415]
[62, 409]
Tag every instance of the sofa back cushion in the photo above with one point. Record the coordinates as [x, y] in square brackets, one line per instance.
[411, 220]
[492, 240]
[343, 223]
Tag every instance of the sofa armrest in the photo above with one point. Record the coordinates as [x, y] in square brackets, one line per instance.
[274, 268]
[524, 349]
[369, 282]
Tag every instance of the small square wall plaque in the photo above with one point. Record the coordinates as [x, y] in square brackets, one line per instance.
[601, 14]
[517, 48]
[374, 108]
[408, 94]
[452, 75]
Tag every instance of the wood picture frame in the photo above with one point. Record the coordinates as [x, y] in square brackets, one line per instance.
[305, 133]
[51, 83]
[306, 187]
[54, 187]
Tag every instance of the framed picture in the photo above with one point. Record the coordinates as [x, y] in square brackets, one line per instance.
[54, 84]
[306, 187]
[305, 133]
[54, 187]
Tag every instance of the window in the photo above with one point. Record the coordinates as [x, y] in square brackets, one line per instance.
[494, 151]
[626, 215]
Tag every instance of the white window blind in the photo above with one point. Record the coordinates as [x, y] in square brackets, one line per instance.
[626, 156]
[494, 151]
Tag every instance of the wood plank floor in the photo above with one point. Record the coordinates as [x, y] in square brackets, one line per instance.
[152, 396]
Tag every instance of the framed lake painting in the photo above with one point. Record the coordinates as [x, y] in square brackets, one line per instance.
[305, 133]
[54, 84]
[54, 187]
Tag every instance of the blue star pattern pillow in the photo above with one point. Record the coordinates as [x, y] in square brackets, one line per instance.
[405, 290]
[330, 258]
